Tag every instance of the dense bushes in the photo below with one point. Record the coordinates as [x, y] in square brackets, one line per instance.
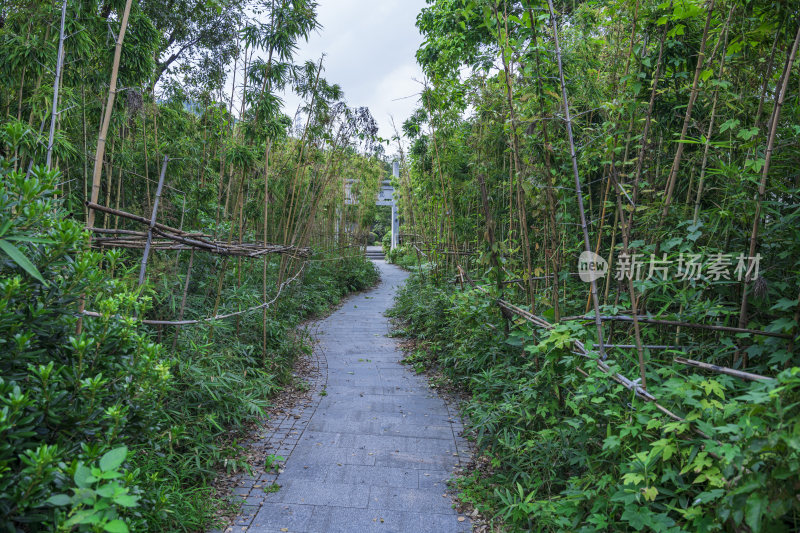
[65, 397]
[68, 399]
[652, 146]
[574, 453]
[403, 256]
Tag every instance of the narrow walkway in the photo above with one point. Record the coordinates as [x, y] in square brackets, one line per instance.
[374, 448]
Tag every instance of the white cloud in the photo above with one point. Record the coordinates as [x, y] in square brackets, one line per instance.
[369, 48]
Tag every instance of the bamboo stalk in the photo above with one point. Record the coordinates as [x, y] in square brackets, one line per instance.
[711, 327]
[112, 92]
[56, 84]
[574, 158]
[183, 298]
[143, 268]
[520, 194]
[762, 186]
[676, 162]
[722, 369]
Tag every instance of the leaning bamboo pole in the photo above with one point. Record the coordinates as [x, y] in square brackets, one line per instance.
[676, 162]
[678, 323]
[101, 141]
[515, 154]
[215, 316]
[150, 227]
[762, 186]
[112, 93]
[56, 84]
[574, 158]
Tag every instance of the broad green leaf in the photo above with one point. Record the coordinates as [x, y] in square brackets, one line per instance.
[729, 124]
[747, 133]
[113, 459]
[753, 509]
[126, 500]
[59, 499]
[784, 304]
[23, 262]
[116, 526]
[650, 493]
[107, 490]
[86, 516]
[83, 476]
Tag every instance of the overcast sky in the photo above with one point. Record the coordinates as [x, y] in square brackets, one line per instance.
[369, 48]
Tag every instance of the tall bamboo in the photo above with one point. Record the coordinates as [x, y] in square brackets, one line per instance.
[56, 84]
[762, 185]
[574, 158]
[112, 92]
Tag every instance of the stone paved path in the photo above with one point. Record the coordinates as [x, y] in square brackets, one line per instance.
[374, 447]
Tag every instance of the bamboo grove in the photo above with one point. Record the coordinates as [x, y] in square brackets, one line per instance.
[661, 136]
[165, 228]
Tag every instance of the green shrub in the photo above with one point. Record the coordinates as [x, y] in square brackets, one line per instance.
[570, 453]
[65, 397]
[68, 399]
[403, 255]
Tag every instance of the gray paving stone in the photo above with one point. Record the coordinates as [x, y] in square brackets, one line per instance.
[343, 520]
[374, 453]
[435, 523]
[319, 493]
[429, 479]
[416, 460]
[325, 455]
[401, 499]
[246, 515]
[377, 476]
[282, 515]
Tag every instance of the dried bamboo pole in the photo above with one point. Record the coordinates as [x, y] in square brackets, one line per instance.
[112, 92]
[676, 162]
[762, 186]
[581, 350]
[56, 84]
[143, 268]
[211, 319]
[657, 322]
[194, 240]
[159, 226]
[722, 369]
[574, 157]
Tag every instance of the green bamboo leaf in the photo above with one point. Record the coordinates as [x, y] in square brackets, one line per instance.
[24, 263]
[23, 238]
